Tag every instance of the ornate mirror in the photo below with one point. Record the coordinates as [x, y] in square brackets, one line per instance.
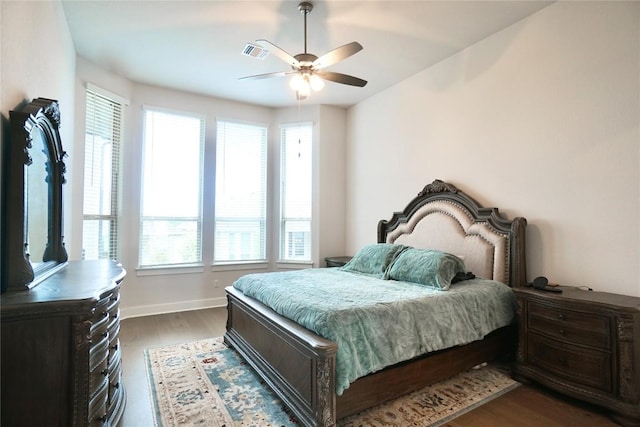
[33, 246]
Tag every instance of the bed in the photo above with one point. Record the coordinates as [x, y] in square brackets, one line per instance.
[300, 365]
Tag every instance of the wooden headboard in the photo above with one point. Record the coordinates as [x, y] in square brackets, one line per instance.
[443, 217]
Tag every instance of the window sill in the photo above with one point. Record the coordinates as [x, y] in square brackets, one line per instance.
[294, 265]
[160, 271]
[240, 266]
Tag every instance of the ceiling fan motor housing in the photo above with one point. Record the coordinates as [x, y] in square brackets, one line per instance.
[305, 59]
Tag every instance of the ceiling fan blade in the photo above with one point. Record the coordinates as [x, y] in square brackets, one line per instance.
[268, 75]
[341, 78]
[280, 53]
[336, 55]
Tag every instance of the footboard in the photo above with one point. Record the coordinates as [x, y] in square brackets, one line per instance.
[297, 364]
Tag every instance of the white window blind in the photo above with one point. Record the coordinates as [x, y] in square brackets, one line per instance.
[241, 193]
[103, 134]
[171, 207]
[296, 192]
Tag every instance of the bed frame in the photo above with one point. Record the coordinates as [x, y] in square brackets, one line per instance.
[300, 365]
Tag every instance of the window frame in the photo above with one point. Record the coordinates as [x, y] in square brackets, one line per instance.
[281, 227]
[117, 139]
[241, 264]
[178, 267]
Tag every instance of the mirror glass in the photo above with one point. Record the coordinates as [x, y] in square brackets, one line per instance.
[37, 200]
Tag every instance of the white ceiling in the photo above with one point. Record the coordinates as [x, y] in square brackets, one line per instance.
[196, 46]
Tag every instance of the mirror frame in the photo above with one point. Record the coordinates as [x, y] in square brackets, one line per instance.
[40, 115]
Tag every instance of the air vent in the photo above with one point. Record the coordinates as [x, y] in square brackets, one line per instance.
[255, 51]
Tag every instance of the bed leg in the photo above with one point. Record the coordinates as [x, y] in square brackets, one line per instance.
[325, 387]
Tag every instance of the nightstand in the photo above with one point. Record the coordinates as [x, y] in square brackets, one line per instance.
[337, 261]
[584, 344]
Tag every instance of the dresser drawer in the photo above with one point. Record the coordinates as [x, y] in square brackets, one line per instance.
[115, 371]
[579, 365]
[102, 306]
[114, 347]
[115, 379]
[570, 326]
[114, 397]
[98, 407]
[98, 353]
[98, 376]
[114, 302]
[99, 327]
[114, 326]
[116, 401]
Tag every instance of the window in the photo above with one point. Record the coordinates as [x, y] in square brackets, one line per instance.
[241, 193]
[296, 193]
[171, 207]
[103, 134]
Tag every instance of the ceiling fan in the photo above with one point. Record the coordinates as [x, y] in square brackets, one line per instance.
[308, 69]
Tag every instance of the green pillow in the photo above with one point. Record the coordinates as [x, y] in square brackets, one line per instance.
[427, 267]
[374, 260]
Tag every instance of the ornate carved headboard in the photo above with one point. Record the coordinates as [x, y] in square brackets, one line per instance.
[443, 217]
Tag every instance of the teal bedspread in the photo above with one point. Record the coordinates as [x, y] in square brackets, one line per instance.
[377, 323]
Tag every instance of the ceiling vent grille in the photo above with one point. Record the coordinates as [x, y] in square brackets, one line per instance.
[255, 51]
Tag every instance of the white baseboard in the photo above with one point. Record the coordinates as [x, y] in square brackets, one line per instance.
[174, 307]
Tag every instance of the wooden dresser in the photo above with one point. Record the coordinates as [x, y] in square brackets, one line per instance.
[61, 358]
[584, 344]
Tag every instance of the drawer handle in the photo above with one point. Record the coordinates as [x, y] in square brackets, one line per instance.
[116, 385]
[105, 372]
[562, 317]
[562, 361]
[102, 419]
[562, 332]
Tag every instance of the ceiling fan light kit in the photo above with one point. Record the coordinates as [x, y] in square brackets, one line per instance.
[305, 83]
[307, 68]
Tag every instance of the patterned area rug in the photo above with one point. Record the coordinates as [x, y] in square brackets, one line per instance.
[204, 383]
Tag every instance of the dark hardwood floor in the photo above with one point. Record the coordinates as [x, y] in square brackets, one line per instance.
[526, 406]
[140, 333]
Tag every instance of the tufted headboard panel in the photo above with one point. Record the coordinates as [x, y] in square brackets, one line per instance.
[444, 218]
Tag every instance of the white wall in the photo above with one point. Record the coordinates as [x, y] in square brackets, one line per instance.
[541, 120]
[30, 31]
[331, 191]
